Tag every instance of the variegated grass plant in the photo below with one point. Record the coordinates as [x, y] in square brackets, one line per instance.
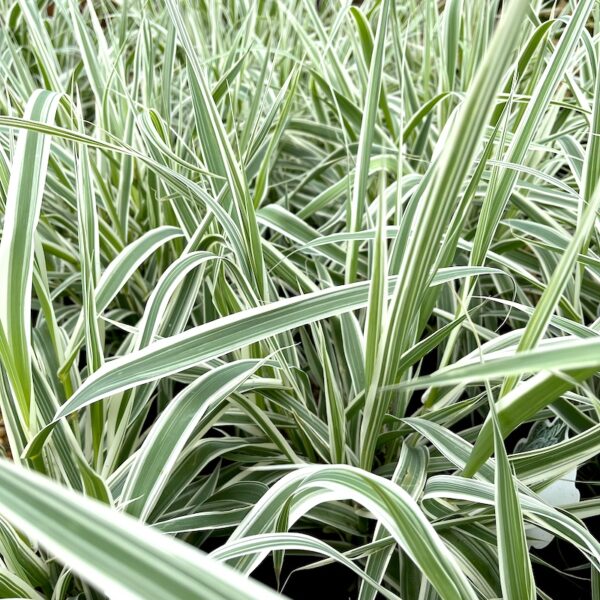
[288, 278]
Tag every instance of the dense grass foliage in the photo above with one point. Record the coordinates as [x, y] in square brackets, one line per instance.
[300, 289]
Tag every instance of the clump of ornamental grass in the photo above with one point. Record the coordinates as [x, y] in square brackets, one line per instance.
[293, 288]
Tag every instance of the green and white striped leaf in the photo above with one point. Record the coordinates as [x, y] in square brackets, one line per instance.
[122, 557]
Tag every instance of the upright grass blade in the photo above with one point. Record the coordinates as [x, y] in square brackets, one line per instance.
[540, 318]
[452, 22]
[579, 243]
[218, 151]
[376, 309]
[334, 407]
[89, 255]
[531, 118]
[359, 189]
[433, 216]
[23, 206]
[516, 574]
[89, 250]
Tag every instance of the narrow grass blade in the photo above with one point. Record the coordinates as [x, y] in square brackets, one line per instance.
[123, 558]
[23, 206]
